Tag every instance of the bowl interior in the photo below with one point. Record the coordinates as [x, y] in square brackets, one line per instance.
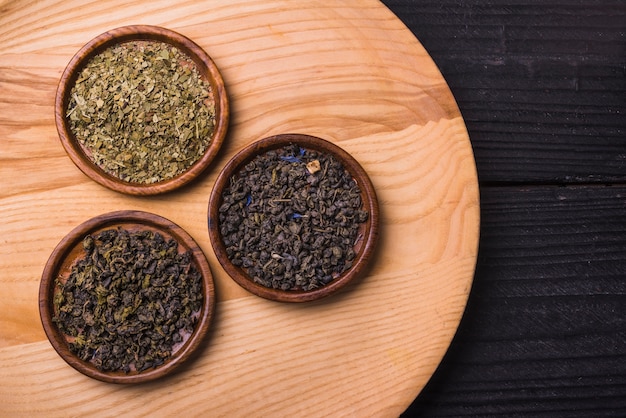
[367, 234]
[70, 250]
[207, 69]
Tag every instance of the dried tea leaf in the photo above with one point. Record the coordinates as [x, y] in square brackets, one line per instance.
[129, 301]
[291, 218]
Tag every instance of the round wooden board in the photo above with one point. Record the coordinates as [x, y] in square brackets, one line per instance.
[346, 71]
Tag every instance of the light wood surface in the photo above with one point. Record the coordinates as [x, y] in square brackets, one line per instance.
[346, 71]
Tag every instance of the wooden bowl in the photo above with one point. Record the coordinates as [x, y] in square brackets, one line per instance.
[80, 154]
[368, 231]
[70, 250]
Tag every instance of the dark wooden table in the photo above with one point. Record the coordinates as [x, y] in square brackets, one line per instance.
[542, 88]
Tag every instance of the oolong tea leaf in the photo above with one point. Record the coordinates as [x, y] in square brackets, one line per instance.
[291, 218]
[142, 111]
[129, 301]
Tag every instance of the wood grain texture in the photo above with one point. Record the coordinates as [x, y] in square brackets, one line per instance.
[542, 87]
[348, 72]
[545, 327]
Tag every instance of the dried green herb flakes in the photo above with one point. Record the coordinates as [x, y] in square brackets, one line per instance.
[129, 301]
[142, 111]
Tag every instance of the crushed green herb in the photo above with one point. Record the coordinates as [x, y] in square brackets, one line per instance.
[129, 301]
[142, 111]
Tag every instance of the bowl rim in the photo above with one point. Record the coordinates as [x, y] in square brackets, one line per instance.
[369, 199]
[67, 248]
[206, 67]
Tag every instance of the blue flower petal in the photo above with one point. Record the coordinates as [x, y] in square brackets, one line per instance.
[291, 159]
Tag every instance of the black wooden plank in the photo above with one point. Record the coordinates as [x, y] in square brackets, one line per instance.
[539, 85]
[544, 333]
[542, 89]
